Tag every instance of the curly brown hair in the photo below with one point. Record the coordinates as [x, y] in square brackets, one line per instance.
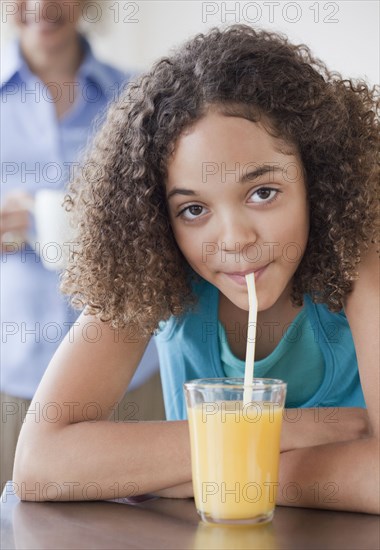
[127, 267]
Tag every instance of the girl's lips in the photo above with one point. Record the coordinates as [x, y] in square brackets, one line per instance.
[240, 278]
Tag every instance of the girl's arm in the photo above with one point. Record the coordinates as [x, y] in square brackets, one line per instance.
[319, 426]
[69, 450]
[345, 475]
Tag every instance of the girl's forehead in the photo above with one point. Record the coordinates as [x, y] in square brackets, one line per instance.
[220, 137]
[219, 148]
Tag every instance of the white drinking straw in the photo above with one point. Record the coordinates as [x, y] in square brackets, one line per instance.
[251, 338]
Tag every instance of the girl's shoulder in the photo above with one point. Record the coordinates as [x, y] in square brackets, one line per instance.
[201, 314]
[321, 309]
[329, 327]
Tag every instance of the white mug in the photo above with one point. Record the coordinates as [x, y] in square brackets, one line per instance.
[53, 232]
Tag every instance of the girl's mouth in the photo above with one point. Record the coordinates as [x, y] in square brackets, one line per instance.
[239, 276]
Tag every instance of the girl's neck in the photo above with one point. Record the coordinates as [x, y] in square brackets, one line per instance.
[271, 324]
[55, 64]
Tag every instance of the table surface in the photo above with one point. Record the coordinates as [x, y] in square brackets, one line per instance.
[174, 524]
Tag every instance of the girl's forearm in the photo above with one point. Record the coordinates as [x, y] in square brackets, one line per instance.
[336, 476]
[310, 427]
[102, 460]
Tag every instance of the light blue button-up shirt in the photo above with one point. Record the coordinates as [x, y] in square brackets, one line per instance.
[39, 151]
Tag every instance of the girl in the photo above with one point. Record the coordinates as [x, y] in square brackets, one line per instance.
[240, 153]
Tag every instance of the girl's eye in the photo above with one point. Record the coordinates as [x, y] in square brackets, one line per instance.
[192, 212]
[264, 195]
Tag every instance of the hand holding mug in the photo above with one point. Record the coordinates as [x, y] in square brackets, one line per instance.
[15, 219]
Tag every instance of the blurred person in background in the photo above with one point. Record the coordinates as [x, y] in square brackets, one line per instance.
[52, 90]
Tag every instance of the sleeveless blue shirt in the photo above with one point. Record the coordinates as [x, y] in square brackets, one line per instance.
[297, 357]
[188, 348]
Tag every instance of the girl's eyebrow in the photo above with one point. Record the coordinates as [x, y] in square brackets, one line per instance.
[247, 176]
[260, 171]
[177, 191]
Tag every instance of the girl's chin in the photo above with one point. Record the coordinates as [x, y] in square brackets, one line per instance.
[240, 302]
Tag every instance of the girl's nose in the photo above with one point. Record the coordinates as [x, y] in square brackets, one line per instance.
[236, 233]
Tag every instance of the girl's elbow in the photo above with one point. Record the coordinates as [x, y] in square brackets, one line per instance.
[29, 475]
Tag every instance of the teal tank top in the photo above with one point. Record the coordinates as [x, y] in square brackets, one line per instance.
[296, 358]
[188, 348]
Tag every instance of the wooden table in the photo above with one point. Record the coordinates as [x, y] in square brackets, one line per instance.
[174, 524]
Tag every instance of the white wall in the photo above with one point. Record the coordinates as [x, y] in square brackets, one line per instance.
[344, 34]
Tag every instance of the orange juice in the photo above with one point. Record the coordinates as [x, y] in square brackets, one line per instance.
[235, 458]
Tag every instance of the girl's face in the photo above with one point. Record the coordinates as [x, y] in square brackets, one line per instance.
[238, 204]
